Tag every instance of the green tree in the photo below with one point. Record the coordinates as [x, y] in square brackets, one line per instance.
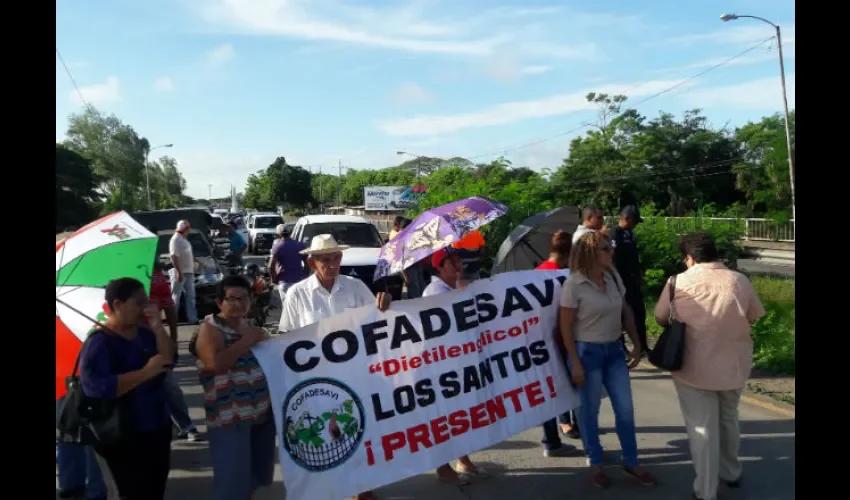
[280, 184]
[77, 199]
[762, 173]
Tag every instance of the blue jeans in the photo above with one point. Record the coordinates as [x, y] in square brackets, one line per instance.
[78, 468]
[177, 403]
[186, 286]
[605, 366]
[242, 459]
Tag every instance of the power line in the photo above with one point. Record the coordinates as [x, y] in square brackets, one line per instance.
[634, 107]
[73, 81]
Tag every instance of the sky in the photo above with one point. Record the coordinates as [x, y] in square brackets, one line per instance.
[233, 84]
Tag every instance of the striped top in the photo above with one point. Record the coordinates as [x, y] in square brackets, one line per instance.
[238, 397]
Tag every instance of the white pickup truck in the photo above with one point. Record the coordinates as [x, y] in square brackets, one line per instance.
[360, 260]
[261, 231]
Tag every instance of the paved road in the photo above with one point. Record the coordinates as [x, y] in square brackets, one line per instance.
[520, 470]
[761, 267]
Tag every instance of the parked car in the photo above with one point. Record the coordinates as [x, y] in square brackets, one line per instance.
[360, 260]
[261, 231]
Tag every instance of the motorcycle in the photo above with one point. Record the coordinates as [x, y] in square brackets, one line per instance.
[230, 264]
[262, 288]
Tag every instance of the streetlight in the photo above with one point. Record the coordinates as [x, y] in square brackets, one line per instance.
[732, 17]
[418, 159]
[147, 172]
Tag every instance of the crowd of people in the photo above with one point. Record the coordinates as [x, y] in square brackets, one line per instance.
[131, 356]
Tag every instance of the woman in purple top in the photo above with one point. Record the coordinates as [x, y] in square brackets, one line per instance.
[127, 362]
[287, 265]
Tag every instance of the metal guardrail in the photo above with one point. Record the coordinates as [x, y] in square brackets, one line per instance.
[754, 229]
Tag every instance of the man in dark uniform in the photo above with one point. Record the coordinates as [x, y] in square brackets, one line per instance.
[627, 262]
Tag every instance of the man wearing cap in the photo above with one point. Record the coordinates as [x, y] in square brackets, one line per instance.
[326, 293]
[447, 264]
[627, 263]
[237, 242]
[287, 264]
[183, 273]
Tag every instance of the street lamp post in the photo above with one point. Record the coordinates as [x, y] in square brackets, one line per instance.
[732, 17]
[418, 159]
[147, 171]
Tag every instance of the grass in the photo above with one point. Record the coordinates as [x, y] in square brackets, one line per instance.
[773, 335]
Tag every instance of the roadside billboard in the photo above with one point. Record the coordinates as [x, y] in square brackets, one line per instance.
[391, 197]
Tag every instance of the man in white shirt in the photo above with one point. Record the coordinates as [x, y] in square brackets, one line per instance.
[183, 273]
[593, 219]
[449, 270]
[326, 293]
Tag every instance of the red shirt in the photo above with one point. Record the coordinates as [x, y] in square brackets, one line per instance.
[547, 266]
[161, 290]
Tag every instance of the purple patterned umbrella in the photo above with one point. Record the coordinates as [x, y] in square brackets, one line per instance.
[435, 229]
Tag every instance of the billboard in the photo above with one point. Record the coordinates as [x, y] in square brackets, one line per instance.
[391, 197]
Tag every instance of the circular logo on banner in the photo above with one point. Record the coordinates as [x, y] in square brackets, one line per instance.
[323, 423]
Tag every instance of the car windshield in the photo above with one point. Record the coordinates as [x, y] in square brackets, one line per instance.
[200, 248]
[354, 234]
[270, 222]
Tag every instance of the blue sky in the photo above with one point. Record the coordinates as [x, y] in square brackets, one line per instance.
[235, 83]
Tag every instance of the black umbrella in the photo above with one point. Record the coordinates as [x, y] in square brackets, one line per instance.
[528, 244]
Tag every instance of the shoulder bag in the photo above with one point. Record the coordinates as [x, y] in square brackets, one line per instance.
[92, 421]
[669, 351]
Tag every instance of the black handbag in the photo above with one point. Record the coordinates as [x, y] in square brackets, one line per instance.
[91, 421]
[669, 351]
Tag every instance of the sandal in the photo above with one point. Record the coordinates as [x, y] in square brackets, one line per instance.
[474, 472]
[643, 477]
[598, 478]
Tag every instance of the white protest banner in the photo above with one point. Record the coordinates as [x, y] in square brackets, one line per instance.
[365, 399]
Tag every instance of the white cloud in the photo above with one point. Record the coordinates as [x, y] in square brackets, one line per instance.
[163, 84]
[97, 94]
[221, 55]
[406, 27]
[390, 28]
[506, 68]
[764, 94]
[746, 33]
[500, 114]
[758, 56]
[410, 93]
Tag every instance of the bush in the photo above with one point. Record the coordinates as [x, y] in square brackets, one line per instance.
[658, 246]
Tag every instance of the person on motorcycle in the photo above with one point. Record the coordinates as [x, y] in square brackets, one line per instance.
[238, 245]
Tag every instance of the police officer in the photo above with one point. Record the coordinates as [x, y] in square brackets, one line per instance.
[627, 262]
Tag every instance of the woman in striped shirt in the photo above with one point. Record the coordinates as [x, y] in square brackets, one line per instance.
[240, 425]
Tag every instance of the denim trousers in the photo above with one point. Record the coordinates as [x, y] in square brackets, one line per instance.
[177, 403]
[605, 366]
[78, 468]
[187, 287]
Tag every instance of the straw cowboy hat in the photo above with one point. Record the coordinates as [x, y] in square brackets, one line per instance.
[323, 244]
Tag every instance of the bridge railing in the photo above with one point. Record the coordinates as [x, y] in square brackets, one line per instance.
[754, 229]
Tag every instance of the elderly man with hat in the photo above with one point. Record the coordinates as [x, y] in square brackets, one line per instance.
[326, 293]
[183, 273]
[627, 263]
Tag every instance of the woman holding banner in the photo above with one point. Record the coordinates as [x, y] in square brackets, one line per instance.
[449, 271]
[592, 316]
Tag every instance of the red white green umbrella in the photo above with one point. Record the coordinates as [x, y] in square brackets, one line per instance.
[115, 246]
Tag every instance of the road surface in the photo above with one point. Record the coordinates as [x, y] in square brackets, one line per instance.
[519, 469]
[761, 267]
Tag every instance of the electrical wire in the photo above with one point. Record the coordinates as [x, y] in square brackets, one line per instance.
[73, 81]
[634, 107]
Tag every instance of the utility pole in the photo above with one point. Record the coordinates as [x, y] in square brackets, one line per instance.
[209, 193]
[339, 185]
[321, 189]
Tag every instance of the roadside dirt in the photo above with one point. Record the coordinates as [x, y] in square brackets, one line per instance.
[780, 388]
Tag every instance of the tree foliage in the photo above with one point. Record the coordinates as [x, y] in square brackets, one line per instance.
[77, 197]
[116, 154]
